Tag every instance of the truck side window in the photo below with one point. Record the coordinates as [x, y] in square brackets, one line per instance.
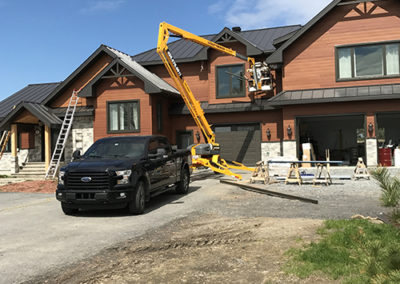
[153, 145]
[164, 145]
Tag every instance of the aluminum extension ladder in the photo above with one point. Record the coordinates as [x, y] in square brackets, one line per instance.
[63, 136]
[3, 142]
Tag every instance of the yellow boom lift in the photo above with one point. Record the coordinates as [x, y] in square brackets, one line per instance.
[259, 80]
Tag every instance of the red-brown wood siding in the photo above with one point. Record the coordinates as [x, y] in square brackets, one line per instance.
[309, 63]
[63, 97]
[109, 90]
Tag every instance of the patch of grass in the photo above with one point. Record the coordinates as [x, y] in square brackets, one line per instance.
[4, 176]
[355, 251]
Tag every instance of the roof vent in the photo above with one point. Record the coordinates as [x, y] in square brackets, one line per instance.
[237, 29]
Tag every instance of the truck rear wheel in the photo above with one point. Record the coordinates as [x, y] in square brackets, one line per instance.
[68, 210]
[137, 205]
[182, 186]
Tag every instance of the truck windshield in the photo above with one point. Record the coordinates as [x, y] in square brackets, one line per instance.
[115, 149]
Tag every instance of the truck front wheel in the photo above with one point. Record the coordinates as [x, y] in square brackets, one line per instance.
[137, 205]
[183, 185]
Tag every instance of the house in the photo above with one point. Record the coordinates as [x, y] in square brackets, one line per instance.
[336, 84]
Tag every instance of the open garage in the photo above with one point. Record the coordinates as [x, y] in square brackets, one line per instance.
[343, 135]
[388, 129]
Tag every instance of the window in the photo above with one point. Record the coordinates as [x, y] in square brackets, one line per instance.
[368, 61]
[159, 117]
[230, 83]
[123, 116]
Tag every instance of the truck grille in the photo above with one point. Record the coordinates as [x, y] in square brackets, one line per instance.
[99, 181]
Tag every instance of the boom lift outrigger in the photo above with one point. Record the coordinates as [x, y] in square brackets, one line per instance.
[207, 155]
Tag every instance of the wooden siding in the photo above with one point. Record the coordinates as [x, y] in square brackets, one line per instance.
[109, 90]
[63, 97]
[309, 63]
[26, 117]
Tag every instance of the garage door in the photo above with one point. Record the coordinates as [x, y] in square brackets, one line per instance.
[241, 142]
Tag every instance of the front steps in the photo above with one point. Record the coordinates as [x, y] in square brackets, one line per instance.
[31, 171]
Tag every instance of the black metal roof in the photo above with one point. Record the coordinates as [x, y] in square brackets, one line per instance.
[343, 94]
[186, 51]
[258, 105]
[38, 110]
[35, 93]
[277, 56]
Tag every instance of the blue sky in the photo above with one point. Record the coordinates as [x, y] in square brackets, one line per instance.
[46, 40]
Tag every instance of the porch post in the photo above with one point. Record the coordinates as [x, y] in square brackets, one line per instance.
[47, 145]
[14, 154]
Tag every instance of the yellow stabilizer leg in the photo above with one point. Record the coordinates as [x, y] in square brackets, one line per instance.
[216, 167]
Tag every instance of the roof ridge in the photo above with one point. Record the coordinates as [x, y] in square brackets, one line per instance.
[271, 28]
[38, 84]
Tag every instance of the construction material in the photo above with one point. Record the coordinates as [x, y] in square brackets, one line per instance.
[294, 176]
[323, 174]
[3, 142]
[269, 192]
[261, 173]
[397, 157]
[63, 136]
[361, 170]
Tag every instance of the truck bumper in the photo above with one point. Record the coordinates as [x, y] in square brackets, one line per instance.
[94, 199]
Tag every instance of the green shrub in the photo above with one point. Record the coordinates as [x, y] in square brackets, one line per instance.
[390, 187]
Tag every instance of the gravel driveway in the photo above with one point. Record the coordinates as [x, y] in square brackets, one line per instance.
[36, 237]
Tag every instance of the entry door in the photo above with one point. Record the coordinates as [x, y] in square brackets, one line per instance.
[184, 139]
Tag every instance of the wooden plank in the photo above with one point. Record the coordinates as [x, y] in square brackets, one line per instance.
[14, 130]
[47, 145]
[268, 192]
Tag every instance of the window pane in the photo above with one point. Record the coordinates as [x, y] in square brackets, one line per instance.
[344, 62]
[122, 117]
[223, 82]
[113, 116]
[229, 82]
[392, 59]
[237, 83]
[368, 61]
[135, 116]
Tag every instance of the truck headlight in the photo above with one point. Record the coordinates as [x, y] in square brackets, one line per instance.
[125, 176]
[61, 177]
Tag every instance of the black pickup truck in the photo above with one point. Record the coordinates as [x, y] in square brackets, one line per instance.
[124, 171]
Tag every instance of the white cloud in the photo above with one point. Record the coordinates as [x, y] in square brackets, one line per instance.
[102, 6]
[250, 14]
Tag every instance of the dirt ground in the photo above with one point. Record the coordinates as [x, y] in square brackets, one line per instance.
[200, 250]
[38, 186]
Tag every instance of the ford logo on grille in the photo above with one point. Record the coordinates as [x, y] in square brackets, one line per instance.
[86, 179]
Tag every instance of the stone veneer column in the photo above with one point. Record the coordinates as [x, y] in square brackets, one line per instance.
[289, 149]
[372, 152]
[269, 150]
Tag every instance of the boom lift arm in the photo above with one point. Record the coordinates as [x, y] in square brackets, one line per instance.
[206, 154]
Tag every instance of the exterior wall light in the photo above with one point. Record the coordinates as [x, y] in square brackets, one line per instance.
[268, 134]
[198, 136]
[289, 131]
[370, 128]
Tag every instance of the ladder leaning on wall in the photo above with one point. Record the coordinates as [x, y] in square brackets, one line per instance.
[3, 142]
[63, 136]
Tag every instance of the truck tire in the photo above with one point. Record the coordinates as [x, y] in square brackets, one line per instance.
[137, 205]
[68, 210]
[182, 186]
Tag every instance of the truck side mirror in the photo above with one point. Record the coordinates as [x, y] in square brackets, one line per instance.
[76, 155]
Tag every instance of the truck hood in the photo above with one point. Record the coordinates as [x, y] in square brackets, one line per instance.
[99, 165]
